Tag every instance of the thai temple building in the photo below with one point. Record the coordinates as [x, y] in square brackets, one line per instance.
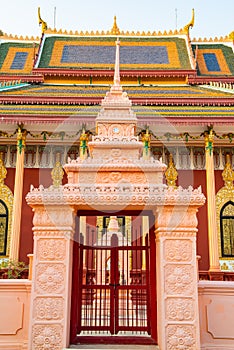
[116, 190]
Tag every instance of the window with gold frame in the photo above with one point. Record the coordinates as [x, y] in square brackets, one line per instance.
[4, 217]
[227, 229]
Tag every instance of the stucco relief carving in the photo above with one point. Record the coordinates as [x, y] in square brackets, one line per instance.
[48, 309]
[173, 217]
[50, 278]
[117, 176]
[178, 250]
[116, 130]
[180, 309]
[51, 249]
[181, 337]
[178, 279]
[55, 234]
[116, 153]
[53, 216]
[102, 129]
[47, 337]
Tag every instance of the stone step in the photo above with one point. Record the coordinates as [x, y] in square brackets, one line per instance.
[114, 347]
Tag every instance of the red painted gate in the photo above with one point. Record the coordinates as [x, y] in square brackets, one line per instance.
[113, 291]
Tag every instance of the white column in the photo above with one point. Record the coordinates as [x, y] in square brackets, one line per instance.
[18, 192]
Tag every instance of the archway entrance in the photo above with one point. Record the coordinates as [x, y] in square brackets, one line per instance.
[114, 282]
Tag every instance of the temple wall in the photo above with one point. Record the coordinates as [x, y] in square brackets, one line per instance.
[14, 311]
[215, 298]
[216, 305]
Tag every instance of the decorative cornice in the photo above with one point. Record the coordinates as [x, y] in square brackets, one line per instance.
[147, 101]
[115, 195]
[31, 78]
[84, 72]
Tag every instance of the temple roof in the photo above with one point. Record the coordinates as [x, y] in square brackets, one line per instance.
[99, 52]
[78, 114]
[87, 54]
[16, 57]
[214, 59]
[94, 93]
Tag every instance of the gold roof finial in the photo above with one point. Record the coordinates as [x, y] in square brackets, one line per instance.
[115, 29]
[190, 24]
[171, 173]
[41, 22]
[231, 36]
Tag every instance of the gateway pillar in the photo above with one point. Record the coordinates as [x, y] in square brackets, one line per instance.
[51, 281]
[176, 266]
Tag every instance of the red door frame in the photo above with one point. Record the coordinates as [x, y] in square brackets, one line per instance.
[76, 288]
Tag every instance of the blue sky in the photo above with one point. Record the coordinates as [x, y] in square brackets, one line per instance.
[212, 17]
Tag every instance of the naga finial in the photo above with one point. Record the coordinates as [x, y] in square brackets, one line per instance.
[231, 36]
[41, 22]
[190, 24]
[115, 29]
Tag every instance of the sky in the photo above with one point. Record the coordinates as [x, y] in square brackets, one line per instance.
[212, 17]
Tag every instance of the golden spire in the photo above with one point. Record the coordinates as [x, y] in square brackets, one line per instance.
[57, 172]
[171, 173]
[41, 22]
[228, 173]
[190, 24]
[115, 29]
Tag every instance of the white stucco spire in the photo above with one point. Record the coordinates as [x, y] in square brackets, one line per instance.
[117, 73]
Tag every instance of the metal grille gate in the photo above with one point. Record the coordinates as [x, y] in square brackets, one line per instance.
[114, 293]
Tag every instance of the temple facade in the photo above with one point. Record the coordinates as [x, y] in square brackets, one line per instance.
[116, 188]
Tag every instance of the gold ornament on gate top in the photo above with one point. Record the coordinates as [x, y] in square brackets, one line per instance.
[57, 173]
[171, 173]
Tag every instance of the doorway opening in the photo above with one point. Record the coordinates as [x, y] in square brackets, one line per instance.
[114, 280]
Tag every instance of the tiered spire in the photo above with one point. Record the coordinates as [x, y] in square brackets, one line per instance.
[117, 72]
